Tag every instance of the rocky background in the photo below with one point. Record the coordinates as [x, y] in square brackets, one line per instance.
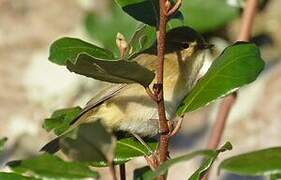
[31, 87]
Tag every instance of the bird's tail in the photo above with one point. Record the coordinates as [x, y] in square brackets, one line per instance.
[52, 146]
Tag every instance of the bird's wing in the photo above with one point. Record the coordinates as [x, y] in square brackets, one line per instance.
[105, 94]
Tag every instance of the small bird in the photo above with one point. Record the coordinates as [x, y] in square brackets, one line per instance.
[128, 107]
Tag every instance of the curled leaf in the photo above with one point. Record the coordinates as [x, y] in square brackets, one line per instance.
[111, 70]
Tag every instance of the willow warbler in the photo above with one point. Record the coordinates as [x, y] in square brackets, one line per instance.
[129, 108]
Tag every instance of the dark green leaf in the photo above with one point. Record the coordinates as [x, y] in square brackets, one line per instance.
[90, 143]
[275, 177]
[68, 49]
[60, 120]
[49, 166]
[146, 11]
[118, 71]
[103, 27]
[13, 176]
[138, 173]
[262, 162]
[128, 149]
[206, 16]
[238, 65]
[208, 162]
[2, 143]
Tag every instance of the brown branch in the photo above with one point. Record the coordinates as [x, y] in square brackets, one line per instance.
[225, 107]
[158, 87]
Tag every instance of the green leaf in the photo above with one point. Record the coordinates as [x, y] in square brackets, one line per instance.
[167, 164]
[115, 71]
[89, 142]
[127, 149]
[138, 173]
[275, 177]
[146, 11]
[103, 27]
[48, 166]
[2, 143]
[13, 176]
[140, 36]
[238, 65]
[68, 49]
[143, 38]
[261, 162]
[217, 12]
[208, 162]
[60, 120]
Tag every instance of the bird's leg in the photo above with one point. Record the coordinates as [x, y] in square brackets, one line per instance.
[176, 129]
[171, 10]
[152, 159]
[142, 142]
[151, 94]
[171, 126]
[152, 162]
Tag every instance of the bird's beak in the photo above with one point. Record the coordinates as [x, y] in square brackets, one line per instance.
[206, 46]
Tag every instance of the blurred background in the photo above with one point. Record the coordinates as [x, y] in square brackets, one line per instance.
[31, 87]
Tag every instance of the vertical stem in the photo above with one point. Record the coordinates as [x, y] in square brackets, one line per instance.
[218, 128]
[158, 87]
[225, 107]
[248, 20]
[122, 170]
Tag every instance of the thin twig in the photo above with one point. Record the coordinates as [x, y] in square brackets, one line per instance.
[122, 169]
[225, 107]
[218, 128]
[244, 35]
[151, 94]
[248, 20]
[143, 143]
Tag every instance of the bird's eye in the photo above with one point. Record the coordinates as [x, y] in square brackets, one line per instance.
[185, 45]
